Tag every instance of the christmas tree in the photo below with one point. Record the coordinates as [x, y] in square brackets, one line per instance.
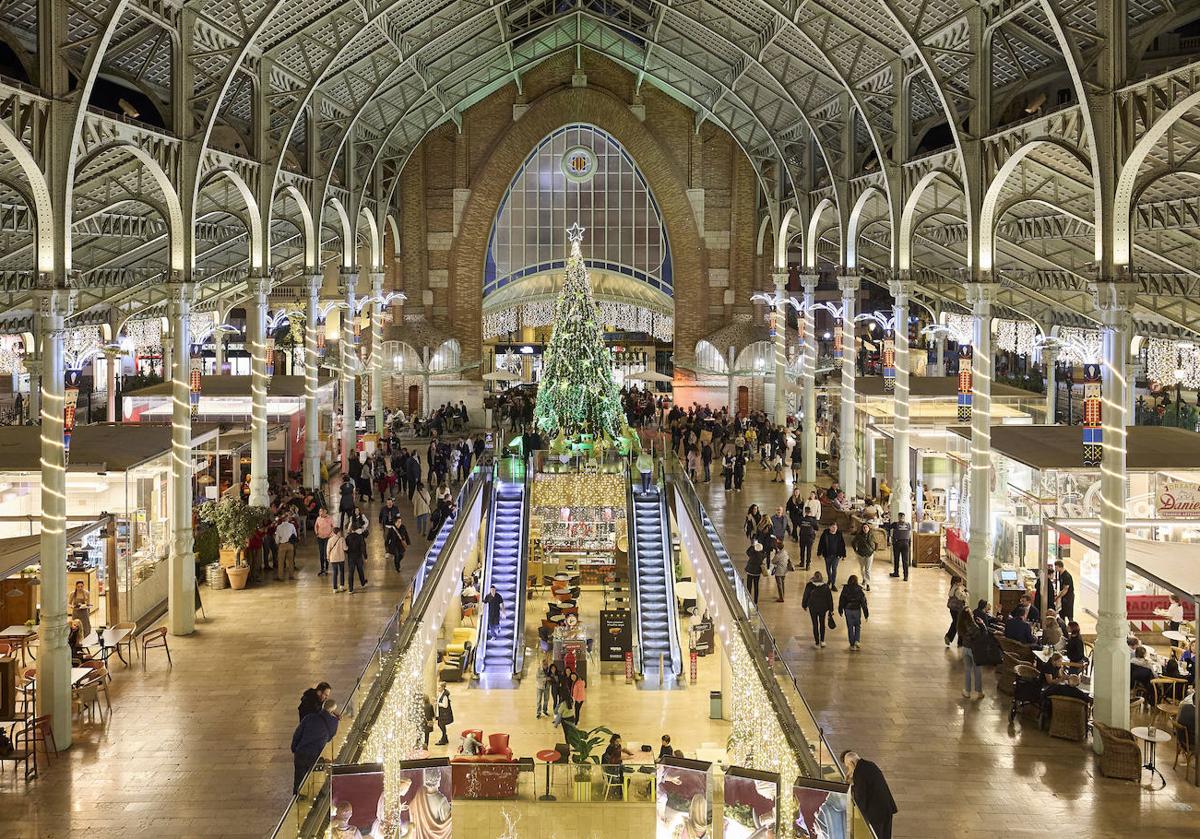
[577, 394]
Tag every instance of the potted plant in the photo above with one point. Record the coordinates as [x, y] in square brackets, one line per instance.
[582, 744]
[235, 523]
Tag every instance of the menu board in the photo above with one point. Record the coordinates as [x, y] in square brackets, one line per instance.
[616, 634]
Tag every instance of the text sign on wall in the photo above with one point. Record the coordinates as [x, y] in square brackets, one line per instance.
[1178, 500]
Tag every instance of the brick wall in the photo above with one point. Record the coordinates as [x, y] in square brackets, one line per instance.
[452, 185]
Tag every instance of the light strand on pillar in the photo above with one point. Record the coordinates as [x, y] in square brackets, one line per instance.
[965, 382]
[1093, 431]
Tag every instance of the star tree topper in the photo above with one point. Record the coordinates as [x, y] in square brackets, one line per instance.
[575, 233]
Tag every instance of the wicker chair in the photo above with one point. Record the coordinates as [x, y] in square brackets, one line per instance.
[1122, 756]
[1068, 718]
[1026, 691]
[1185, 748]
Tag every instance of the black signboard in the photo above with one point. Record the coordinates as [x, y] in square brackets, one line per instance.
[702, 636]
[616, 634]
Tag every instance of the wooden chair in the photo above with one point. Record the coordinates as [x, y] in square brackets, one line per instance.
[22, 751]
[1167, 694]
[1026, 690]
[1122, 757]
[1185, 746]
[87, 697]
[1068, 718]
[43, 732]
[154, 639]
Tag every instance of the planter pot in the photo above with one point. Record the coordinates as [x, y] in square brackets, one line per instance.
[228, 557]
[238, 575]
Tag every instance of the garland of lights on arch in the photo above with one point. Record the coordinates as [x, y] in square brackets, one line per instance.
[622, 316]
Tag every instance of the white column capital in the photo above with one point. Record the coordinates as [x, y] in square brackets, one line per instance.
[260, 286]
[848, 283]
[54, 302]
[780, 280]
[313, 284]
[1114, 301]
[180, 292]
[901, 290]
[809, 282]
[377, 278]
[981, 296]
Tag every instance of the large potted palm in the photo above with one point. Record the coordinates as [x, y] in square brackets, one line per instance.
[235, 522]
[582, 744]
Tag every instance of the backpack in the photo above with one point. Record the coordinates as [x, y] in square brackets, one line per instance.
[986, 650]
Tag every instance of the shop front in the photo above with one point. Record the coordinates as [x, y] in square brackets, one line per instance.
[118, 508]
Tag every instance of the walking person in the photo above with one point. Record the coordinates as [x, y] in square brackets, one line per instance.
[323, 529]
[864, 549]
[542, 676]
[807, 535]
[286, 539]
[755, 556]
[852, 605]
[495, 606]
[955, 603]
[753, 517]
[901, 545]
[420, 502]
[818, 601]
[80, 601]
[795, 512]
[396, 541]
[356, 556]
[781, 564]
[832, 549]
[337, 559]
[779, 525]
[345, 502]
[309, 739]
[969, 633]
[445, 712]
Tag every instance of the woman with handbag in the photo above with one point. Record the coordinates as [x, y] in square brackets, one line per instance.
[781, 564]
[956, 602]
[445, 712]
[970, 634]
[818, 600]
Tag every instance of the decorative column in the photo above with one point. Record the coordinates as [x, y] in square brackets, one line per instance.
[939, 345]
[779, 338]
[1050, 365]
[901, 501]
[847, 467]
[349, 281]
[112, 359]
[181, 569]
[1111, 657]
[1130, 392]
[731, 357]
[218, 339]
[256, 333]
[312, 423]
[981, 295]
[377, 350]
[54, 657]
[808, 443]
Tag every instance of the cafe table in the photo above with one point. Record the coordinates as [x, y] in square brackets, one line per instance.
[19, 635]
[109, 639]
[1176, 635]
[1151, 737]
[549, 756]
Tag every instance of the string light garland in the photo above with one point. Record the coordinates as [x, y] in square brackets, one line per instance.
[1080, 346]
[579, 490]
[577, 394]
[12, 354]
[1015, 336]
[145, 335]
[623, 317]
[79, 345]
[960, 327]
[1167, 358]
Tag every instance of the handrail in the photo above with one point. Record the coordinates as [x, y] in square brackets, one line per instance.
[522, 576]
[668, 559]
[635, 606]
[737, 617]
[485, 579]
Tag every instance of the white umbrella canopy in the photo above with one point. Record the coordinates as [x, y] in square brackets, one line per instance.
[648, 376]
[500, 376]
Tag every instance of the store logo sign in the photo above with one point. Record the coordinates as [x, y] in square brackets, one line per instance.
[1178, 501]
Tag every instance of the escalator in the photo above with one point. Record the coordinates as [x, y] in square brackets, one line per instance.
[719, 547]
[499, 658]
[653, 577]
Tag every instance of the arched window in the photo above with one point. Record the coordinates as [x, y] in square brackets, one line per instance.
[578, 173]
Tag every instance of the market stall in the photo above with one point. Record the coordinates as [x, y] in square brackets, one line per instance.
[118, 470]
[1038, 475]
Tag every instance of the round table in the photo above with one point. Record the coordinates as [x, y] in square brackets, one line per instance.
[1152, 739]
[1175, 635]
[549, 756]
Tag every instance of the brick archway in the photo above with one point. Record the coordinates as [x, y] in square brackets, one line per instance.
[664, 175]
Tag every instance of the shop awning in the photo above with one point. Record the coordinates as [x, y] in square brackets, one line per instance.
[110, 447]
[1149, 448]
[1172, 565]
[19, 551]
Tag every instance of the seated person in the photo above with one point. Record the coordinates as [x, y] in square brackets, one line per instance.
[1132, 643]
[1187, 715]
[1052, 669]
[79, 653]
[1075, 653]
[1018, 629]
[614, 757]
[1175, 667]
[1142, 657]
[1051, 632]
[665, 749]
[1031, 611]
[1069, 687]
[1140, 676]
[983, 614]
[470, 745]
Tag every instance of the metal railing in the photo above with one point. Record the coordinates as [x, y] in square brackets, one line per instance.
[522, 574]
[635, 604]
[307, 816]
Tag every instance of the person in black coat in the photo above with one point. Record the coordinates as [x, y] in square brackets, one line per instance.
[832, 548]
[346, 502]
[756, 556]
[818, 600]
[312, 699]
[871, 794]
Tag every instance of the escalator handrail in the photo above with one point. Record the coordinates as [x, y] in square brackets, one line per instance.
[635, 603]
[668, 560]
[518, 652]
[485, 580]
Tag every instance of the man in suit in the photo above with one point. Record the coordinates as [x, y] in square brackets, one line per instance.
[871, 794]
[1018, 629]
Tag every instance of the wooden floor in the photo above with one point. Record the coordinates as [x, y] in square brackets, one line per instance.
[201, 749]
[955, 767]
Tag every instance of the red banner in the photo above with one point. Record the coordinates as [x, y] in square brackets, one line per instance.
[694, 666]
[628, 666]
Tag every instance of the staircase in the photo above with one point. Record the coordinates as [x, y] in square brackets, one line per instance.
[506, 527]
[719, 547]
[657, 627]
